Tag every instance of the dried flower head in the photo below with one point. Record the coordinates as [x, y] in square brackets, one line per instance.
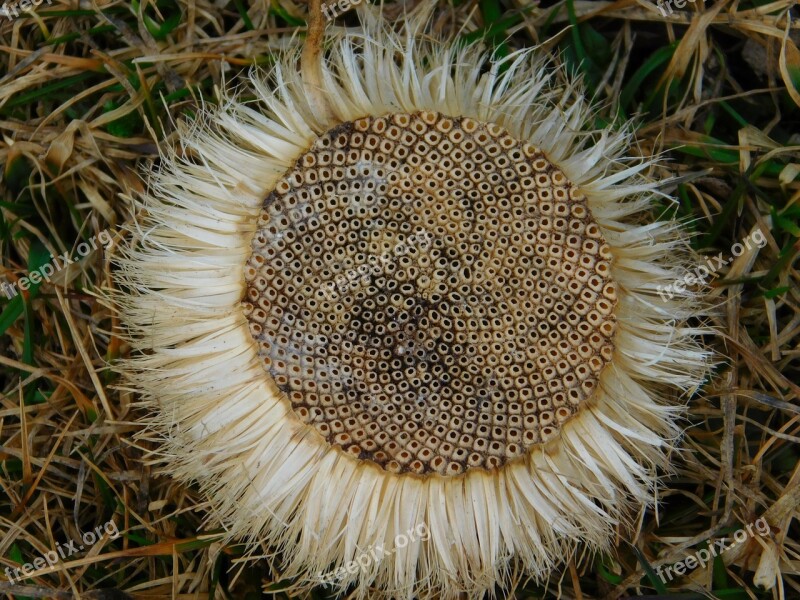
[435, 307]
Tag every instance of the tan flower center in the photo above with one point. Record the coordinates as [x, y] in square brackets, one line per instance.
[431, 293]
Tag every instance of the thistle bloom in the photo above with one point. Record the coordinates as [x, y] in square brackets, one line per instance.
[433, 310]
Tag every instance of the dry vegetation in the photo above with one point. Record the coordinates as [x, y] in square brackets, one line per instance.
[88, 90]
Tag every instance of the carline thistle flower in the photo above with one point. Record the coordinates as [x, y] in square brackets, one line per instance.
[512, 385]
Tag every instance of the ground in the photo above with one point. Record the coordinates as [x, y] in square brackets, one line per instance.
[89, 90]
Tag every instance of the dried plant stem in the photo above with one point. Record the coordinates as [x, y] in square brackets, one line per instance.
[311, 62]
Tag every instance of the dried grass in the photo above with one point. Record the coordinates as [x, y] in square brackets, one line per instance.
[87, 91]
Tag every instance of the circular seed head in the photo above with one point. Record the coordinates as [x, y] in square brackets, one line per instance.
[430, 293]
[433, 323]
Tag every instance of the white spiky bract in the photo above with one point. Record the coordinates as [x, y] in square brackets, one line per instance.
[271, 479]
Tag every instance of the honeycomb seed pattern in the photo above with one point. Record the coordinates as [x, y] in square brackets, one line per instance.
[459, 353]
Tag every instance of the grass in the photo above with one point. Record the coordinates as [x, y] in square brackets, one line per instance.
[86, 97]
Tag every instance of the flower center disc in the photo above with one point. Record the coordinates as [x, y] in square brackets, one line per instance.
[430, 293]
